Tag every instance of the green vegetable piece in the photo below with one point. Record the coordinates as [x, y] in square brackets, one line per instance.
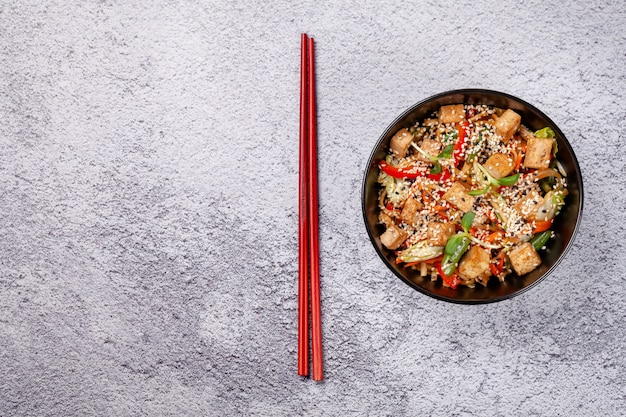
[466, 221]
[546, 132]
[489, 177]
[446, 153]
[436, 169]
[508, 181]
[558, 199]
[475, 193]
[455, 248]
[504, 182]
[540, 239]
[452, 243]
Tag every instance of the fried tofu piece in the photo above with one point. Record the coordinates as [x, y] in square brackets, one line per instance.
[538, 153]
[400, 142]
[457, 195]
[439, 233]
[393, 237]
[507, 124]
[528, 206]
[410, 209]
[431, 147]
[474, 263]
[524, 258]
[498, 111]
[499, 165]
[484, 277]
[451, 114]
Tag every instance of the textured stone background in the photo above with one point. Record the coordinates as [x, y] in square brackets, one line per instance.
[148, 176]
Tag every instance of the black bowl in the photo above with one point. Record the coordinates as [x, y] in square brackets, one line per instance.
[565, 224]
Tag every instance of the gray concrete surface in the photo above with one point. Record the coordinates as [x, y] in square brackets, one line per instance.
[148, 174]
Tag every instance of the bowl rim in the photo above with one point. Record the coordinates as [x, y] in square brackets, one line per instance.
[473, 91]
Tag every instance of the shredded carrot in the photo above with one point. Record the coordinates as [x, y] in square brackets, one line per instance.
[493, 236]
[518, 162]
[441, 211]
[542, 226]
[434, 260]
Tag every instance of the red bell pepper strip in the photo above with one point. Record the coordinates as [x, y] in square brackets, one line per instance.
[452, 281]
[497, 269]
[442, 176]
[461, 143]
[402, 173]
[411, 172]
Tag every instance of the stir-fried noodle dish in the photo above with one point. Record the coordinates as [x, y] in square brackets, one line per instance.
[469, 195]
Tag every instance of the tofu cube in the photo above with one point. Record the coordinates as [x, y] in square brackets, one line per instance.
[484, 277]
[528, 206]
[538, 153]
[431, 147]
[524, 258]
[439, 233]
[474, 263]
[499, 165]
[400, 142]
[451, 114]
[457, 195]
[410, 209]
[393, 237]
[507, 124]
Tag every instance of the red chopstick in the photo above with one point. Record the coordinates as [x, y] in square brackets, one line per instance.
[316, 314]
[308, 226]
[303, 225]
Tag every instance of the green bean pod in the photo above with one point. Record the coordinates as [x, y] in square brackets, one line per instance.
[455, 248]
[540, 239]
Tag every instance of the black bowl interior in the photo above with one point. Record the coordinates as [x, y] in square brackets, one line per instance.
[565, 226]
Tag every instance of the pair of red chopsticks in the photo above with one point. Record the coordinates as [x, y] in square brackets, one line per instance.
[308, 221]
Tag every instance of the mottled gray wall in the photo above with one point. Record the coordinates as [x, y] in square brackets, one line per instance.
[148, 177]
